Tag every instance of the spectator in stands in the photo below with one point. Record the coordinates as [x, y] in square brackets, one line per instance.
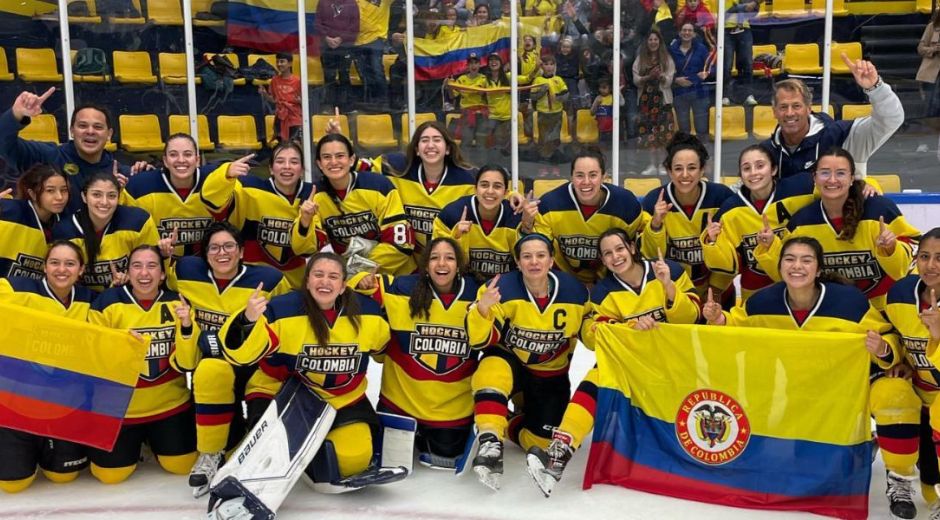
[662, 20]
[929, 72]
[603, 110]
[575, 15]
[499, 105]
[481, 16]
[337, 23]
[549, 93]
[801, 135]
[739, 42]
[689, 54]
[540, 7]
[697, 13]
[529, 68]
[285, 92]
[84, 155]
[473, 111]
[591, 69]
[448, 25]
[569, 69]
[653, 71]
[370, 46]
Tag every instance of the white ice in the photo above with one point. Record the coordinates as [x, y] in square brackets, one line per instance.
[425, 495]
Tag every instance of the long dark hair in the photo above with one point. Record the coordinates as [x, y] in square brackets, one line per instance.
[91, 238]
[854, 205]
[825, 275]
[419, 305]
[501, 78]
[347, 302]
[453, 158]
[627, 241]
[332, 138]
[34, 179]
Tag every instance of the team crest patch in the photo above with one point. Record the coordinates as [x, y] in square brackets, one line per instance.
[712, 427]
[70, 168]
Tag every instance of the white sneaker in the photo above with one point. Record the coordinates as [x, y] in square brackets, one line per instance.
[725, 101]
[650, 170]
[750, 101]
[662, 171]
[922, 148]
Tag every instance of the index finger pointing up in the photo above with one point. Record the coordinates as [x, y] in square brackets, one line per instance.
[881, 224]
[933, 300]
[257, 290]
[659, 252]
[313, 193]
[662, 193]
[463, 216]
[493, 282]
[766, 220]
[45, 95]
[848, 61]
[246, 158]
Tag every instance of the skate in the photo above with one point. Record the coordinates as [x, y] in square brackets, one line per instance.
[488, 463]
[203, 471]
[900, 496]
[547, 466]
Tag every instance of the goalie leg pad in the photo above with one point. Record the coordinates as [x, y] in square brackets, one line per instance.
[230, 500]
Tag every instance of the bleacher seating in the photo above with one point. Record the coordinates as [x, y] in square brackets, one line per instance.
[270, 58]
[42, 128]
[420, 117]
[37, 65]
[5, 74]
[838, 8]
[641, 186]
[133, 67]
[232, 57]
[204, 6]
[140, 133]
[586, 127]
[270, 140]
[802, 58]
[318, 124]
[237, 133]
[852, 112]
[542, 186]
[165, 12]
[179, 124]
[890, 183]
[852, 49]
[732, 124]
[91, 18]
[788, 8]
[314, 70]
[764, 122]
[88, 78]
[127, 18]
[173, 68]
[375, 131]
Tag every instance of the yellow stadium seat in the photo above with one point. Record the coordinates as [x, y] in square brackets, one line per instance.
[640, 187]
[831, 110]
[730, 180]
[838, 7]
[319, 123]
[165, 12]
[140, 133]
[43, 128]
[852, 112]
[234, 59]
[111, 146]
[375, 131]
[204, 6]
[767, 49]
[173, 68]
[524, 139]
[82, 78]
[733, 123]
[238, 133]
[314, 70]
[764, 121]
[354, 78]
[542, 186]
[270, 140]
[565, 131]
[890, 183]
[271, 59]
[5, 74]
[852, 49]
[387, 61]
[923, 6]
[420, 117]
[37, 65]
[801, 58]
[92, 12]
[788, 8]
[179, 124]
[451, 120]
[133, 67]
[586, 129]
[130, 20]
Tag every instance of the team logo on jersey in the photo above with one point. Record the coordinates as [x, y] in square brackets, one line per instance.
[541, 345]
[917, 352]
[421, 218]
[860, 267]
[581, 248]
[490, 262]
[191, 230]
[336, 363]
[162, 342]
[439, 348]
[27, 266]
[658, 314]
[70, 168]
[685, 250]
[712, 427]
[343, 227]
[209, 321]
[99, 273]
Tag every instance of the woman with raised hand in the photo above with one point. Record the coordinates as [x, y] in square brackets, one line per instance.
[171, 195]
[301, 334]
[485, 224]
[160, 412]
[428, 365]
[679, 213]
[730, 236]
[639, 292]
[352, 204]
[57, 293]
[866, 240]
[26, 223]
[107, 231]
[264, 209]
[216, 284]
[528, 322]
[813, 299]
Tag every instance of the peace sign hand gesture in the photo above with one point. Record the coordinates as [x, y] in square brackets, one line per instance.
[864, 72]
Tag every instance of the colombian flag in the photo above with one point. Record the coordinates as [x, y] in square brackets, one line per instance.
[744, 417]
[64, 378]
[270, 25]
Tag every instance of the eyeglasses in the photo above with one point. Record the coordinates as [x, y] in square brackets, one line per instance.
[838, 174]
[228, 247]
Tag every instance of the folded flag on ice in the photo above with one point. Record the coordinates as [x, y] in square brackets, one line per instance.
[64, 378]
[743, 417]
[270, 25]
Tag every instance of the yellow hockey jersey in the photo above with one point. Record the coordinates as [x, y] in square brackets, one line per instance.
[23, 239]
[161, 389]
[283, 344]
[129, 228]
[499, 100]
[36, 294]
[488, 254]
[468, 98]
[543, 339]
[556, 86]
[562, 218]
[903, 308]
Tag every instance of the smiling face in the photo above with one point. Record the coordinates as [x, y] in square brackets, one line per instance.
[833, 178]
[535, 260]
[928, 262]
[490, 190]
[494, 63]
[145, 272]
[325, 282]
[482, 14]
[287, 169]
[792, 113]
[685, 171]
[181, 159]
[63, 268]
[687, 33]
[223, 255]
[53, 197]
[90, 133]
[756, 170]
[335, 161]
[101, 197]
[799, 266]
[442, 266]
[652, 42]
[431, 147]
[587, 180]
[616, 255]
[528, 42]
[565, 47]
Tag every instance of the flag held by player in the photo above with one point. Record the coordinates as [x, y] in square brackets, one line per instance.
[66, 379]
[743, 417]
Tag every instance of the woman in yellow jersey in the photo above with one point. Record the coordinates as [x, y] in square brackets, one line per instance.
[26, 223]
[499, 105]
[428, 365]
[730, 237]
[160, 412]
[866, 240]
[324, 335]
[636, 291]
[528, 322]
[485, 224]
[59, 294]
[107, 231]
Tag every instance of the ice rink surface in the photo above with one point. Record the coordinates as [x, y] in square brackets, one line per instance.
[425, 495]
